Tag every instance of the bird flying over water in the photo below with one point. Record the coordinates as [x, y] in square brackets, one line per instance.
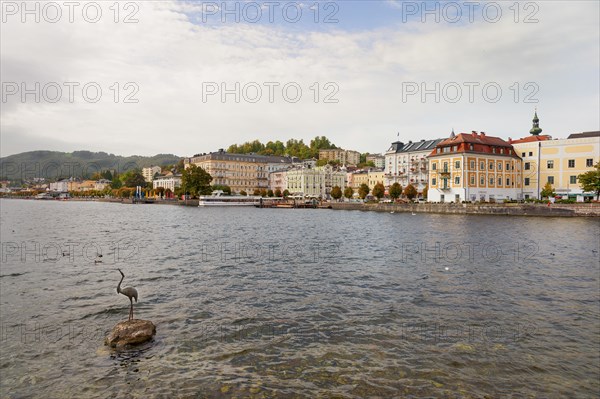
[129, 292]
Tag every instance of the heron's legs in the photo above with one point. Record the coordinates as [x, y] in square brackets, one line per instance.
[131, 309]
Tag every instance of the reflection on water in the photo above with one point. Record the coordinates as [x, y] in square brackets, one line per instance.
[297, 303]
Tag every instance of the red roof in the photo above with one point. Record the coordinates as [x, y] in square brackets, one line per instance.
[474, 142]
[474, 138]
[530, 139]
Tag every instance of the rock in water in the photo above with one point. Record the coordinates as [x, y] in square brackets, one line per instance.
[130, 332]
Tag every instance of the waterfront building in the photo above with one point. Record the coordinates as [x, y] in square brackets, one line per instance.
[101, 184]
[278, 180]
[60, 186]
[378, 160]
[359, 178]
[314, 182]
[407, 163]
[169, 181]
[557, 161]
[82, 185]
[150, 172]
[374, 177]
[345, 157]
[246, 172]
[474, 167]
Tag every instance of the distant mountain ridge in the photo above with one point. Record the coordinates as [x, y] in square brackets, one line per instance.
[56, 165]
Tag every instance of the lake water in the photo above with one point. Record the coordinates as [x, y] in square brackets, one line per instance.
[298, 303]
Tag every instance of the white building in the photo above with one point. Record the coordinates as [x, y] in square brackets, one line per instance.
[170, 182]
[278, 180]
[407, 163]
[60, 186]
[315, 182]
[101, 184]
[149, 173]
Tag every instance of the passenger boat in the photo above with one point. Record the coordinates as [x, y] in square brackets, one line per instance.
[218, 199]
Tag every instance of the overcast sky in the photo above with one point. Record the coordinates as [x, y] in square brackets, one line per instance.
[361, 67]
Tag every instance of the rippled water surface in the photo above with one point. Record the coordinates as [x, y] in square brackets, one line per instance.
[298, 303]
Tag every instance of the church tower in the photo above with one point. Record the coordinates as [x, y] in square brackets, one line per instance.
[536, 130]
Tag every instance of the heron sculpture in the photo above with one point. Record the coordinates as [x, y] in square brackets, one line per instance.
[129, 292]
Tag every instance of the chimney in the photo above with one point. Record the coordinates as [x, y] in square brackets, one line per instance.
[482, 134]
[473, 133]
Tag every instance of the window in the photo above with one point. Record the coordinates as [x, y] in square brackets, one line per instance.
[457, 164]
[507, 182]
[491, 181]
[491, 166]
[530, 153]
[522, 155]
[434, 167]
[573, 180]
[571, 163]
[433, 182]
[527, 165]
[493, 150]
[499, 181]
[471, 147]
[499, 165]
[550, 164]
[457, 180]
[482, 181]
[472, 165]
[589, 162]
[527, 181]
[508, 166]
[445, 166]
[472, 180]
[551, 179]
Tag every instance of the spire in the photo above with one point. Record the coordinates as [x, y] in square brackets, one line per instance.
[452, 135]
[536, 130]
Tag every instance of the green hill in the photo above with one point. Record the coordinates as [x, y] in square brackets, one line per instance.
[54, 165]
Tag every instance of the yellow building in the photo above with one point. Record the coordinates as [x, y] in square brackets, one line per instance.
[474, 167]
[557, 162]
[359, 178]
[246, 172]
[345, 157]
[368, 177]
[85, 185]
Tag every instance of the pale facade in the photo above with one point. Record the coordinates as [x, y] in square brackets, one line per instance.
[60, 186]
[407, 163]
[314, 182]
[170, 182]
[558, 162]
[474, 167]
[246, 172]
[101, 184]
[83, 185]
[345, 157]
[278, 181]
[149, 172]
